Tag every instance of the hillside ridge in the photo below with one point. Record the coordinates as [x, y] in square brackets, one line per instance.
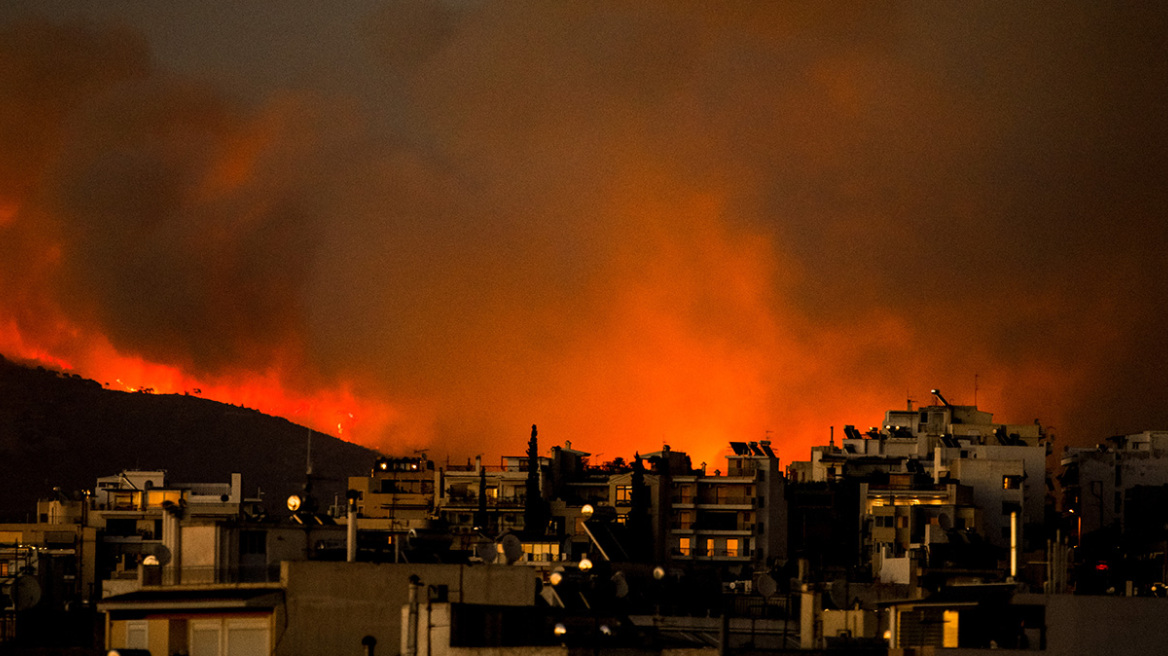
[59, 430]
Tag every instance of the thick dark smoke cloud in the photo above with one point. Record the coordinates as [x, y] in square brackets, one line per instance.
[629, 222]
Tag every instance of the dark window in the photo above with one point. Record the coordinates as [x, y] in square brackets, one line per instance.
[253, 543]
[121, 527]
[719, 521]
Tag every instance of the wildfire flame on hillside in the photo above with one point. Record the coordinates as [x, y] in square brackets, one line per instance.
[631, 224]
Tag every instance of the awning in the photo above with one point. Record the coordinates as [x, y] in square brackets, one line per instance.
[178, 600]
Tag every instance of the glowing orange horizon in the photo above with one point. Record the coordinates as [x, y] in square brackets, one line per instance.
[341, 412]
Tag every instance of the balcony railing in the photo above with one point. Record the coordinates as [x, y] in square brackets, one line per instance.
[492, 502]
[710, 553]
[727, 500]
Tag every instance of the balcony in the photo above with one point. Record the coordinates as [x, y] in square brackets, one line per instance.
[726, 500]
[711, 554]
[471, 500]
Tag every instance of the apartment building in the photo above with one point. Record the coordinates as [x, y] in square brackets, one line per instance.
[1100, 482]
[1004, 465]
[734, 518]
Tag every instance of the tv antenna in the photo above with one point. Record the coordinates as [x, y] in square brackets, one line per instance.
[308, 457]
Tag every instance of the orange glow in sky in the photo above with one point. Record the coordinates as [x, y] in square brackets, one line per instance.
[432, 225]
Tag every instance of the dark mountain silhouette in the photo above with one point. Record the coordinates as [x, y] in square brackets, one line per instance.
[62, 431]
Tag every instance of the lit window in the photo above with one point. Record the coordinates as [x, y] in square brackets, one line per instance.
[949, 629]
[683, 546]
[732, 547]
[624, 494]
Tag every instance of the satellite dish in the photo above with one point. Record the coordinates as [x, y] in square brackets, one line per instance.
[26, 592]
[766, 585]
[159, 551]
[512, 548]
[620, 586]
[256, 512]
[486, 552]
[838, 592]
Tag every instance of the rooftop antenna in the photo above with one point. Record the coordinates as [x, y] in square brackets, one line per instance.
[909, 399]
[975, 390]
[308, 458]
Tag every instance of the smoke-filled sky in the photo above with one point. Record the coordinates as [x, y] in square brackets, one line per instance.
[632, 223]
